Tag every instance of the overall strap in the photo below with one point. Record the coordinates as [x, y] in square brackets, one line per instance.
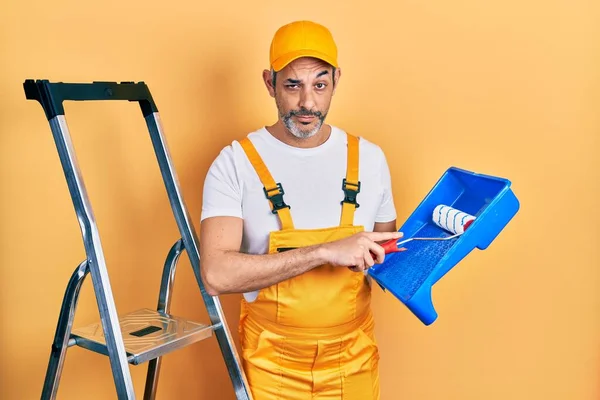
[273, 191]
[351, 184]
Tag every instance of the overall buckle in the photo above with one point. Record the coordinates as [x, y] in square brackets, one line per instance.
[351, 190]
[277, 198]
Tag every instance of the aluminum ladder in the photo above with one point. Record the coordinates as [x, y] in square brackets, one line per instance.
[144, 335]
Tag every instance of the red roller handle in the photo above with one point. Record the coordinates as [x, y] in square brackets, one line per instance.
[391, 246]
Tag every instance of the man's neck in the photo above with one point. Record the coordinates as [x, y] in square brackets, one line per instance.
[280, 132]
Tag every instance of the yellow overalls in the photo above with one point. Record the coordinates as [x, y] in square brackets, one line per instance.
[311, 337]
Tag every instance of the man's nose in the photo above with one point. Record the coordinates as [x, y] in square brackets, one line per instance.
[307, 98]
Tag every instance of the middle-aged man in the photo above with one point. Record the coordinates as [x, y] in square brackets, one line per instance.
[292, 216]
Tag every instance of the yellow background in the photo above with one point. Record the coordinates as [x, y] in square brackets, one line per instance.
[506, 88]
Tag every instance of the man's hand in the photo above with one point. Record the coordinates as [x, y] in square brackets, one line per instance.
[225, 269]
[356, 251]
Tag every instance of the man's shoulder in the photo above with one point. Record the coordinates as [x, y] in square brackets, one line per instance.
[234, 148]
[367, 146]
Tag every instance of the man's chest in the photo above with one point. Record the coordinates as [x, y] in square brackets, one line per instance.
[314, 194]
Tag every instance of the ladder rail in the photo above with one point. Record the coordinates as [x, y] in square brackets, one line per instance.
[63, 332]
[95, 257]
[191, 244]
[168, 277]
[164, 305]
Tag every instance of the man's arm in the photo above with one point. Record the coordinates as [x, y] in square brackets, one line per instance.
[387, 209]
[225, 270]
[385, 226]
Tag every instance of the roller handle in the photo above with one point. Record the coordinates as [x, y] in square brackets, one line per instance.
[391, 246]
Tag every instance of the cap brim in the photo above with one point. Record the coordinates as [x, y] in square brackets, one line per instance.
[285, 59]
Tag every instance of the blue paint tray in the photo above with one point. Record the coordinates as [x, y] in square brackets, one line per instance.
[410, 275]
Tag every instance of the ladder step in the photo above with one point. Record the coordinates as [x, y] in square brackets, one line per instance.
[147, 334]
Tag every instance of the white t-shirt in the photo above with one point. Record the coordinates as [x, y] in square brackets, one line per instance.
[311, 179]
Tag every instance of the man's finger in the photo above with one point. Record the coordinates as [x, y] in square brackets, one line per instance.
[360, 263]
[377, 252]
[369, 262]
[382, 236]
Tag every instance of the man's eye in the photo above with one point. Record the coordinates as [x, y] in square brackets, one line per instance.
[321, 86]
[292, 86]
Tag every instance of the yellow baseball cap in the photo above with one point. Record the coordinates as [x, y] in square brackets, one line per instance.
[302, 39]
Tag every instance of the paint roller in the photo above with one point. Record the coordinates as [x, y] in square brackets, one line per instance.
[448, 218]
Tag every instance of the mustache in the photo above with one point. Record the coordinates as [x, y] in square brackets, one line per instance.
[303, 112]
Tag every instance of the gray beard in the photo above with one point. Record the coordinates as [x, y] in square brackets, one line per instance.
[297, 131]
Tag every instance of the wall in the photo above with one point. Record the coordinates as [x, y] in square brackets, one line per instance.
[505, 88]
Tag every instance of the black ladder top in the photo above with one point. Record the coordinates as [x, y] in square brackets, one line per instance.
[52, 94]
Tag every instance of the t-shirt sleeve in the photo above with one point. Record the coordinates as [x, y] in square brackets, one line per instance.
[222, 193]
[387, 209]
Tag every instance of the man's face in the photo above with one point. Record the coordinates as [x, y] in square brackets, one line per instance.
[303, 92]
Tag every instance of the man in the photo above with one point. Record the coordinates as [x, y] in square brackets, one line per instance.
[292, 215]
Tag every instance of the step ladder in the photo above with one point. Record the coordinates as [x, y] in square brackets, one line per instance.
[144, 335]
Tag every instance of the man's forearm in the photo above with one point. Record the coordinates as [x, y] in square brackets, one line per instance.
[235, 272]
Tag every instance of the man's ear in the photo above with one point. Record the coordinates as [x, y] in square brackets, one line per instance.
[336, 78]
[267, 78]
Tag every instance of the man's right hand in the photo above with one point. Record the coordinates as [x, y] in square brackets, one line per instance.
[356, 251]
